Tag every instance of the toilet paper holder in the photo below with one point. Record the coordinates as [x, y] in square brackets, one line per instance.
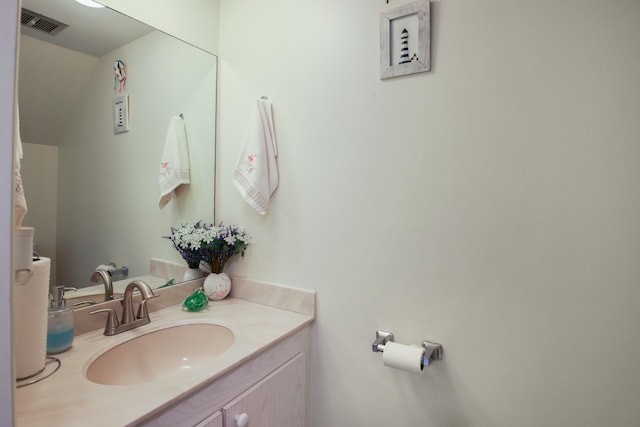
[432, 350]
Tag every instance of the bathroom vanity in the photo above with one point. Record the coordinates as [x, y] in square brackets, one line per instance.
[263, 391]
[260, 379]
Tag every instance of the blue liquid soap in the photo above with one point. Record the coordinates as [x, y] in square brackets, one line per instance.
[60, 323]
[58, 342]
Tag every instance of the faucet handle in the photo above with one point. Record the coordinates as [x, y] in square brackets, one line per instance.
[143, 313]
[112, 320]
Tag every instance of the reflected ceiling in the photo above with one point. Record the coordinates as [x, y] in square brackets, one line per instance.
[85, 33]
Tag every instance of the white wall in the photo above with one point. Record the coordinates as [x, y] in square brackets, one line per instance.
[108, 183]
[39, 169]
[490, 204]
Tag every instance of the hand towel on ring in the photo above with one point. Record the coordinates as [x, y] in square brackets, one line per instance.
[174, 166]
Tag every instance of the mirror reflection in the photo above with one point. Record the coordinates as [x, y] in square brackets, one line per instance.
[92, 193]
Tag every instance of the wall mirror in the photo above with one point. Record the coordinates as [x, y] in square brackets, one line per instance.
[92, 194]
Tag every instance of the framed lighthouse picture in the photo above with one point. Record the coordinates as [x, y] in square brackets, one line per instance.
[405, 40]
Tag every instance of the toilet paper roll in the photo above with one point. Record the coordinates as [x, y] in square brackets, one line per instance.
[405, 357]
[30, 310]
[105, 267]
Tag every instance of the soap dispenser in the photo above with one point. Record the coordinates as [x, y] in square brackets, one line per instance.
[60, 323]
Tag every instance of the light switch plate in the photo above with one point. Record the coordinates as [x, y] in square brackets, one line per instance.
[121, 114]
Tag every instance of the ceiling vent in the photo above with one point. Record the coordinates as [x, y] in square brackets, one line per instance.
[41, 22]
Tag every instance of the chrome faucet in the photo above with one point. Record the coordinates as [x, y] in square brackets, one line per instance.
[128, 320]
[105, 277]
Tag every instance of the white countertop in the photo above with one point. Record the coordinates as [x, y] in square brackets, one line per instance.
[68, 399]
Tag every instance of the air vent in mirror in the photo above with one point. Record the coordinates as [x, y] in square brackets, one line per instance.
[41, 22]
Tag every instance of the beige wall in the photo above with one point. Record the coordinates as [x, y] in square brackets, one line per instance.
[490, 204]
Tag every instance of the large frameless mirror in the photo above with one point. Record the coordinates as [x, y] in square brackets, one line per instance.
[92, 192]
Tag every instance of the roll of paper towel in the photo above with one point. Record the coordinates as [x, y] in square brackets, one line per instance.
[23, 254]
[30, 310]
[405, 357]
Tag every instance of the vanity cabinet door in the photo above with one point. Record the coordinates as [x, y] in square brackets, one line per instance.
[214, 420]
[276, 401]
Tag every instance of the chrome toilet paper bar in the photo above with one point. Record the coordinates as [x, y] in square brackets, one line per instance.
[432, 350]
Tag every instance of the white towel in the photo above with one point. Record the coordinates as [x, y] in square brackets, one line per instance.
[256, 174]
[20, 207]
[174, 166]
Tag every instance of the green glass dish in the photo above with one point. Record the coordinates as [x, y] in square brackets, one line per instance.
[196, 301]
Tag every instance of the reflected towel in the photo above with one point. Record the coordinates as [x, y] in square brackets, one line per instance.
[174, 166]
[20, 206]
[256, 173]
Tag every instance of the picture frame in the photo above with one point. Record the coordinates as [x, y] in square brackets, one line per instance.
[405, 40]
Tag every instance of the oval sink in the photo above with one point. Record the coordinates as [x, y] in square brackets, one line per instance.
[161, 353]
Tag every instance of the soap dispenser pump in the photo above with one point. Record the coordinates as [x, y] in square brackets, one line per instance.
[60, 323]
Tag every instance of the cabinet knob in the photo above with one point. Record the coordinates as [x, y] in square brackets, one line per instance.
[242, 420]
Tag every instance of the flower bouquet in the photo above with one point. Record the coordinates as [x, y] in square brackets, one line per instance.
[220, 243]
[213, 244]
[188, 239]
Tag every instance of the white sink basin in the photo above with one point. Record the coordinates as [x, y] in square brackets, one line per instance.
[160, 353]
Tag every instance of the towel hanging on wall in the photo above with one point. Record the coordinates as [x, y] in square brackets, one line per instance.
[174, 166]
[20, 206]
[256, 173]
